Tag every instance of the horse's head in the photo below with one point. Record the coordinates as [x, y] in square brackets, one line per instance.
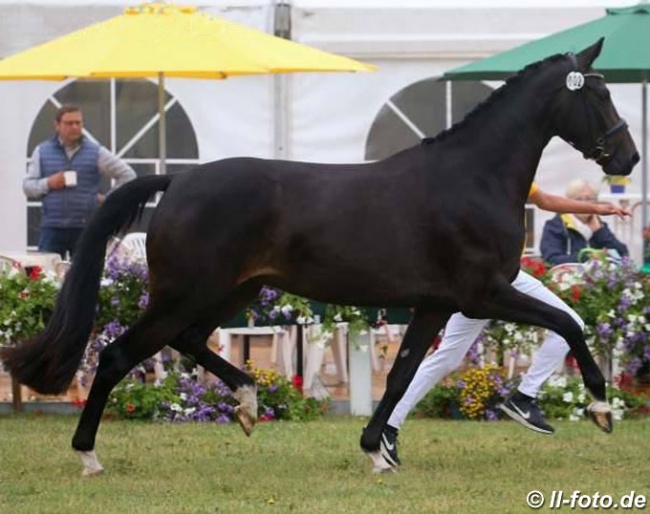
[587, 119]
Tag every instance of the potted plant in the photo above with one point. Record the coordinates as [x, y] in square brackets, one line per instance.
[616, 183]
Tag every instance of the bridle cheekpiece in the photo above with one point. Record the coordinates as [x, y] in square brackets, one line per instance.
[575, 81]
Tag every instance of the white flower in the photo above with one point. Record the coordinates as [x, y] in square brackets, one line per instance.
[175, 407]
[287, 309]
[617, 414]
[557, 381]
[189, 411]
[567, 397]
[183, 396]
[618, 403]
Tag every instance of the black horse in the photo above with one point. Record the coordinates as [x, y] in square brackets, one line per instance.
[453, 206]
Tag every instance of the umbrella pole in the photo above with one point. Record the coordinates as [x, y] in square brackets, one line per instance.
[162, 129]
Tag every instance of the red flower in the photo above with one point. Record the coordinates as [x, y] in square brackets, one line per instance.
[533, 266]
[624, 382]
[130, 408]
[576, 292]
[35, 272]
[297, 382]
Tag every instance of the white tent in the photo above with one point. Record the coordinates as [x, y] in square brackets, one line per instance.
[315, 117]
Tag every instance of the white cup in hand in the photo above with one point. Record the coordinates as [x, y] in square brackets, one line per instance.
[70, 178]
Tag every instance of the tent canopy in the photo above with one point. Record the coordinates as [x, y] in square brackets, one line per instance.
[625, 57]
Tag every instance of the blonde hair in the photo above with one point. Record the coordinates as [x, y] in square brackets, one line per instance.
[575, 187]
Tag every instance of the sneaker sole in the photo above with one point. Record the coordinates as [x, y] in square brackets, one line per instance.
[522, 421]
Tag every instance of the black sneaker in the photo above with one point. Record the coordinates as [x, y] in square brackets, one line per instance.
[388, 446]
[525, 411]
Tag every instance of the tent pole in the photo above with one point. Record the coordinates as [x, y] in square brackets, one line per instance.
[162, 129]
[281, 28]
[644, 161]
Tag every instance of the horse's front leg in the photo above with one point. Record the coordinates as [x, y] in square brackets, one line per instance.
[423, 327]
[508, 304]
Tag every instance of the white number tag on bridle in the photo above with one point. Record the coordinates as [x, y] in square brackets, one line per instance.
[575, 80]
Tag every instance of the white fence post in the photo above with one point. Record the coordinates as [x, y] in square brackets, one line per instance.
[361, 374]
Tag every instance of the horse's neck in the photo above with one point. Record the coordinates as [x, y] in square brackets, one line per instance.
[509, 135]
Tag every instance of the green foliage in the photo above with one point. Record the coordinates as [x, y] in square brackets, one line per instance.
[355, 318]
[132, 399]
[26, 303]
[442, 401]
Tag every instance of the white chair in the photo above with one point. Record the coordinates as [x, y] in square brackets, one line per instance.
[569, 272]
[61, 268]
[7, 264]
[136, 245]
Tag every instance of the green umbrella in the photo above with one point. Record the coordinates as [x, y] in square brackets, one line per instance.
[625, 58]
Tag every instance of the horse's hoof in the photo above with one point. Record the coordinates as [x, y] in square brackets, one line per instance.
[245, 420]
[601, 414]
[246, 411]
[92, 472]
[379, 464]
[92, 467]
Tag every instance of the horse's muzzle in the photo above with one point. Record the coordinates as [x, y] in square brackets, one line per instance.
[620, 165]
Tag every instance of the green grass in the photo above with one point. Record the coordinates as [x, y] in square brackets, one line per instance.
[449, 466]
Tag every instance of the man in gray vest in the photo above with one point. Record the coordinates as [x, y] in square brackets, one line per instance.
[66, 172]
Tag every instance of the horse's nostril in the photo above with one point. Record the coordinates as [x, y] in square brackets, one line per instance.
[635, 158]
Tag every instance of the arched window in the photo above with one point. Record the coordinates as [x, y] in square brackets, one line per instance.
[421, 110]
[121, 115]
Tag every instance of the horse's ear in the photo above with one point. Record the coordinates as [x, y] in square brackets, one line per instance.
[588, 55]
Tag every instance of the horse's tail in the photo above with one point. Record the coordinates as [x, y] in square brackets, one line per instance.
[49, 362]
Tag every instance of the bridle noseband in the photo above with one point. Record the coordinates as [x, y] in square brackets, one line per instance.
[575, 82]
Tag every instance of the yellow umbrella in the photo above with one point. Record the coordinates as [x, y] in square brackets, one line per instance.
[164, 40]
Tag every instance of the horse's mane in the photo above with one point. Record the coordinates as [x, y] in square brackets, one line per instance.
[498, 93]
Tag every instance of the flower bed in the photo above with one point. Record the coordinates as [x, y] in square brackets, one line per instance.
[477, 392]
[613, 300]
[181, 397]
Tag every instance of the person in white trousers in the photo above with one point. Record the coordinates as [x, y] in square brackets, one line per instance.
[461, 332]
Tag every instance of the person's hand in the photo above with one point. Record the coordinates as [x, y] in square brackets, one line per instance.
[56, 181]
[607, 209]
[100, 198]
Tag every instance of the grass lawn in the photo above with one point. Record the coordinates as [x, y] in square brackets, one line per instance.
[448, 466]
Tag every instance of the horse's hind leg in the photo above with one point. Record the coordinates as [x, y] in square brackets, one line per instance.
[421, 330]
[240, 383]
[147, 336]
[193, 343]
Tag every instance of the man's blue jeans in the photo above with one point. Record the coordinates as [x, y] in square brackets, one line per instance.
[59, 240]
